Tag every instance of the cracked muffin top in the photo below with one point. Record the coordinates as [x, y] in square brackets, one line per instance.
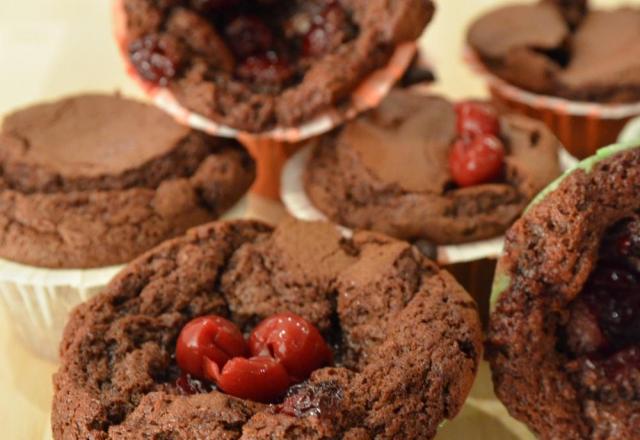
[420, 167]
[96, 180]
[564, 340]
[405, 338]
[257, 64]
[563, 48]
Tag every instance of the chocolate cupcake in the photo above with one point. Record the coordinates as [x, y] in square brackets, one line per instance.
[405, 339]
[564, 342]
[393, 170]
[93, 181]
[423, 169]
[564, 49]
[255, 65]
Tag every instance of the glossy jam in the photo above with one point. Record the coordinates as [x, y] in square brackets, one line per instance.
[605, 322]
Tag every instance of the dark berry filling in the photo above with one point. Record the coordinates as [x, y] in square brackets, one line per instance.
[156, 58]
[311, 400]
[604, 324]
[187, 384]
[273, 43]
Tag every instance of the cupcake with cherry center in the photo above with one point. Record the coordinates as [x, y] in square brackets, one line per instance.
[426, 169]
[564, 341]
[257, 64]
[238, 330]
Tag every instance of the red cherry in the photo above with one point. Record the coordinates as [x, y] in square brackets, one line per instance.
[476, 118]
[476, 160]
[293, 341]
[208, 338]
[261, 379]
[248, 35]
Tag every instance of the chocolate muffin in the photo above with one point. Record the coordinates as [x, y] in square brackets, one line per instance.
[564, 341]
[393, 169]
[96, 180]
[405, 336]
[564, 49]
[254, 64]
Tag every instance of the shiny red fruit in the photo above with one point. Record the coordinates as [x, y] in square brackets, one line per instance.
[208, 338]
[475, 118]
[476, 160]
[261, 379]
[292, 340]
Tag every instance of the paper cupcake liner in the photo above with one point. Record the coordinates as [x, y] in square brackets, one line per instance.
[631, 131]
[271, 148]
[38, 300]
[582, 127]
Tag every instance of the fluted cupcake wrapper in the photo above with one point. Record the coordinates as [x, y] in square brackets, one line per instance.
[38, 300]
[631, 131]
[582, 127]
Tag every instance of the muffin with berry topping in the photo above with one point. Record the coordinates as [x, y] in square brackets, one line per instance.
[564, 341]
[257, 64]
[238, 330]
[423, 168]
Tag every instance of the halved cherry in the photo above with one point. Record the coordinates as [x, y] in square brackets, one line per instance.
[261, 379]
[475, 118]
[292, 340]
[208, 338]
[476, 160]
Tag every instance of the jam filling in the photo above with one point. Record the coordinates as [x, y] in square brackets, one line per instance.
[272, 42]
[604, 324]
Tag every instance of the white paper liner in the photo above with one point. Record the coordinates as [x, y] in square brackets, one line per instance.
[366, 96]
[559, 105]
[39, 300]
[299, 205]
[631, 131]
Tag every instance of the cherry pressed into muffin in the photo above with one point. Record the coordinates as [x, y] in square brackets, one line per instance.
[420, 167]
[254, 64]
[241, 331]
[564, 342]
